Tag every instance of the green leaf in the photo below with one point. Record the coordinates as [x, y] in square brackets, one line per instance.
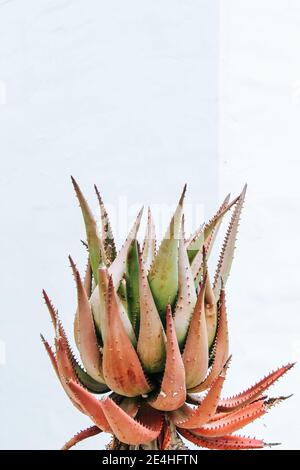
[163, 276]
[151, 345]
[132, 285]
[95, 246]
[118, 267]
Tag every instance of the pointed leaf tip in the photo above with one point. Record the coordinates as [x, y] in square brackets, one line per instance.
[163, 275]
[183, 194]
[95, 245]
[107, 233]
[80, 436]
[228, 247]
[172, 393]
[206, 409]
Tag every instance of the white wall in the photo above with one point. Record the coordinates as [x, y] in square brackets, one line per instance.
[259, 142]
[125, 94]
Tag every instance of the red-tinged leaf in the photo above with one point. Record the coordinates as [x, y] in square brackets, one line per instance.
[173, 390]
[131, 406]
[87, 283]
[224, 443]
[181, 414]
[82, 376]
[195, 353]
[65, 370]
[151, 345]
[254, 392]
[81, 436]
[221, 349]
[57, 325]
[51, 355]
[131, 431]
[211, 312]
[218, 415]
[164, 440]
[91, 406]
[121, 366]
[51, 308]
[233, 421]
[205, 411]
[88, 346]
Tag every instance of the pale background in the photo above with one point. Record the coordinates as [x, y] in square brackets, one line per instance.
[141, 97]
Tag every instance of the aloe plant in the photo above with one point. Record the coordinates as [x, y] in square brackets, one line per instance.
[152, 334]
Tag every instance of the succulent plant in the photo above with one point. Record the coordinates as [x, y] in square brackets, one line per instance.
[151, 330]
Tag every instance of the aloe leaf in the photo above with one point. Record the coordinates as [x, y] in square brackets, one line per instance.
[227, 251]
[151, 345]
[187, 297]
[118, 267]
[209, 242]
[95, 245]
[87, 282]
[213, 223]
[221, 349]
[132, 285]
[81, 436]
[145, 429]
[203, 234]
[87, 339]
[70, 361]
[172, 392]
[163, 275]
[87, 381]
[211, 312]
[149, 245]
[208, 237]
[122, 369]
[195, 353]
[107, 233]
[98, 303]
